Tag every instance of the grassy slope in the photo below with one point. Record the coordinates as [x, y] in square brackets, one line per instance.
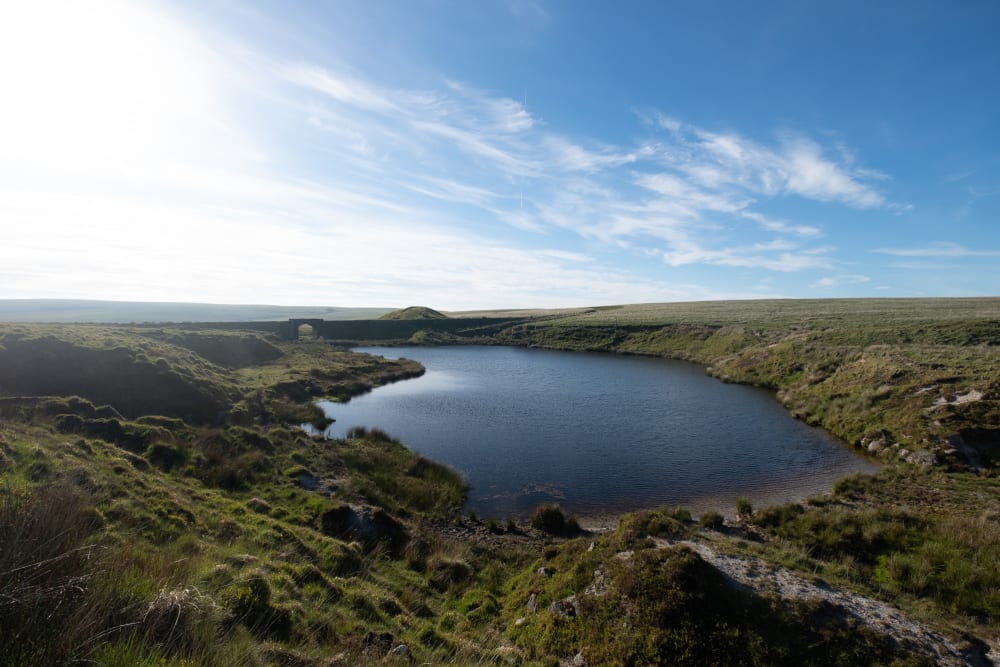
[200, 543]
[111, 312]
[889, 376]
[223, 542]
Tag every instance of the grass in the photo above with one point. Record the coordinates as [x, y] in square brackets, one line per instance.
[207, 543]
[851, 366]
[928, 540]
[618, 600]
[158, 504]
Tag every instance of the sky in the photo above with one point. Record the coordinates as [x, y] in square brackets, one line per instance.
[498, 154]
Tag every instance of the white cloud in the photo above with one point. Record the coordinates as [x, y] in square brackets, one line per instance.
[942, 249]
[338, 87]
[797, 166]
[752, 257]
[453, 191]
[480, 145]
[573, 157]
[360, 193]
[810, 175]
[781, 225]
[844, 279]
[510, 116]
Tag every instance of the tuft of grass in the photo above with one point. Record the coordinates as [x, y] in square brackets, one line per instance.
[550, 519]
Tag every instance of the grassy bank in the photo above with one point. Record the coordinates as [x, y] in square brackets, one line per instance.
[916, 380]
[158, 505]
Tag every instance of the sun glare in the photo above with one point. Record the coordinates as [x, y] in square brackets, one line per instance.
[97, 85]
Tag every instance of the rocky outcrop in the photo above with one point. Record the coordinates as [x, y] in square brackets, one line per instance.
[371, 526]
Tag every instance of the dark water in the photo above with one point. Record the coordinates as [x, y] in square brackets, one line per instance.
[599, 434]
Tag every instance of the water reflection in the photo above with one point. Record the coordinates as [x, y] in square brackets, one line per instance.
[596, 433]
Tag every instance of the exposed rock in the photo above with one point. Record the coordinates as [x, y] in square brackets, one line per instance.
[401, 651]
[876, 447]
[924, 458]
[533, 603]
[567, 607]
[753, 574]
[370, 526]
[875, 442]
[599, 588]
[545, 572]
[310, 482]
[957, 399]
[579, 661]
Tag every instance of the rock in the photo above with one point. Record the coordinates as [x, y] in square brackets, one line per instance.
[401, 651]
[533, 603]
[875, 442]
[600, 586]
[579, 660]
[307, 481]
[567, 607]
[876, 446]
[370, 526]
[519, 622]
[924, 458]
[545, 572]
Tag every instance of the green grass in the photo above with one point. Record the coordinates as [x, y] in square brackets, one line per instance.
[915, 536]
[145, 531]
[618, 600]
[851, 366]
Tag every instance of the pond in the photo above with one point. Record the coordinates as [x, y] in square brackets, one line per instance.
[598, 434]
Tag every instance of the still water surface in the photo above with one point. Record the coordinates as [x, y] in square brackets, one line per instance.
[597, 433]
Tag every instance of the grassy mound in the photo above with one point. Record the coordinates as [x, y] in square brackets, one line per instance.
[414, 313]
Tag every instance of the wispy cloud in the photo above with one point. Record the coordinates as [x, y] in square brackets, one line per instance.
[378, 194]
[796, 166]
[573, 157]
[839, 280]
[696, 194]
[942, 249]
[340, 87]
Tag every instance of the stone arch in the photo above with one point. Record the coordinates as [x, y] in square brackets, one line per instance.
[295, 324]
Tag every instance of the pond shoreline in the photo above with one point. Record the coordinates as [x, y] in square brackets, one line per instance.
[659, 446]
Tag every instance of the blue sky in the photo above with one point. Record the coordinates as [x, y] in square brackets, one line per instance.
[517, 153]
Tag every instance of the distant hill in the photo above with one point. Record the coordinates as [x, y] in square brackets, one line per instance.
[126, 312]
[414, 313]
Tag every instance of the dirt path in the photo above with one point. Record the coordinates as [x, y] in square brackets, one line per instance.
[766, 579]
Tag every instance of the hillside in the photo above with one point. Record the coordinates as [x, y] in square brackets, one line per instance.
[135, 530]
[414, 313]
[126, 312]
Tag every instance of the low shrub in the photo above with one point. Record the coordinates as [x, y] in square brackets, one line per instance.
[550, 519]
[712, 521]
[744, 510]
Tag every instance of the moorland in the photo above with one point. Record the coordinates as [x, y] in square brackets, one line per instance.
[159, 504]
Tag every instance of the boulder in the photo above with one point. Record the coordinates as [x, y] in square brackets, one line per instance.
[371, 526]
[401, 651]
